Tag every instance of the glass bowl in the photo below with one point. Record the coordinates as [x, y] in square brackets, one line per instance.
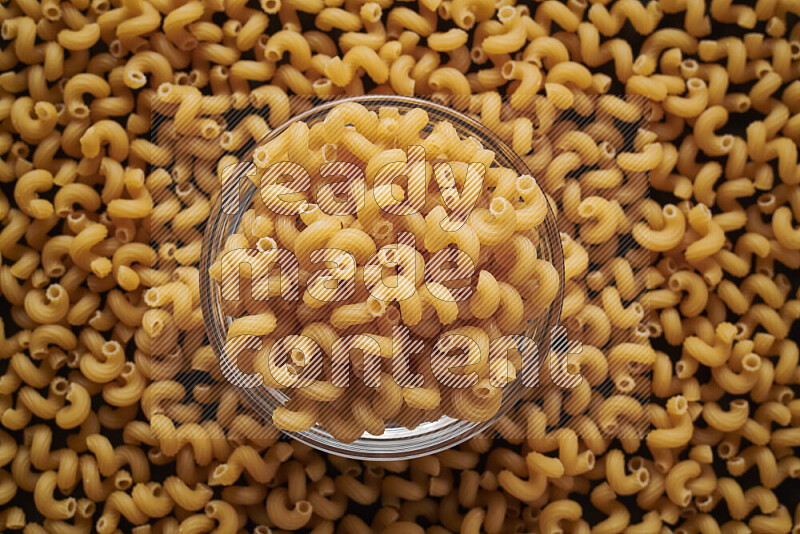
[397, 442]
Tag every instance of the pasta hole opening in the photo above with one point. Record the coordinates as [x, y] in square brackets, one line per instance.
[743, 104]
[116, 50]
[226, 141]
[661, 466]
[266, 243]
[298, 357]
[376, 307]
[153, 326]
[260, 157]
[220, 471]
[498, 206]
[138, 78]
[271, 6]
[695, 84]
[20, 150]
[705, 502]
[675, 284]
[164, 90]
[794, 49]
[59, 387]
[483, 392]
[210, 130]
[608, 149]
[184, 190]
[643, 477]
[128, 369]
[54, 292]
[383, 229]
[262, 529]
[329, 152]
[72, 506]
[766, 201]
[80, 111]
[751, 362]
[372, 12]
[762, 69]
[642, 332]
[726, 143]
[725, 450]
[73, 356]
[739, 404]
[53, 13]
[304, 507]
[741, 330]
[272, 55]
[671, 211]
[210, 509]
[124, 235]
[110, 348]
[626, 384]
[506, 14]
[478, 55]
[87, 508]
[220, 71]
[152, 297]
[590, 457]
[6, 31]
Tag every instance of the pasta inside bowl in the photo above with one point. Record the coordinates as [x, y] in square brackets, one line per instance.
[402, 273]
